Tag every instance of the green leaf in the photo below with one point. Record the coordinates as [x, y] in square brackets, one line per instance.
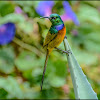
[60, 68]
[26, 27]
[16, 90]
[56, 73]
[11, 86]
[88, 13]
[26, 60]
[7, 59]
[85, 57]
[15, 18]
[92, 46]
[6, 8]
[57, 81]
[94, 36]
[82, 87]
[3, 94]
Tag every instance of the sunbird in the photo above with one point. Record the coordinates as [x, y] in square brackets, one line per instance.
[54, 37]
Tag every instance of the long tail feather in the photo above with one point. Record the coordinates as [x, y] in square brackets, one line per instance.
[46, 60]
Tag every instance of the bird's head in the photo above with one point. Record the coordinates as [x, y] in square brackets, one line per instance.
[55, 19]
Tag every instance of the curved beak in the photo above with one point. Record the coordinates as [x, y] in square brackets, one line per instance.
[44, 17]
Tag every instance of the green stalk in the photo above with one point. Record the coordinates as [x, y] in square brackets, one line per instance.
[82, 87]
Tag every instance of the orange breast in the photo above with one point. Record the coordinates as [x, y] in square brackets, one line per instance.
[62, 33]
[56, 42]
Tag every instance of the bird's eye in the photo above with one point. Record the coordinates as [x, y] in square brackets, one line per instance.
[53, 17]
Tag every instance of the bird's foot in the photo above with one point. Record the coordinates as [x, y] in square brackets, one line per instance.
[65, 37]
[67, 52]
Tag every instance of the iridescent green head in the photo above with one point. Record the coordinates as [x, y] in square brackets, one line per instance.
[55, 19]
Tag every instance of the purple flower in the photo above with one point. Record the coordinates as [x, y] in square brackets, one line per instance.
[44, 8]
[74, 32]
[7, 33]
[18, 10]
[69, 14]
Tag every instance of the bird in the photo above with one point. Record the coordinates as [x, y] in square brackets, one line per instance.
[53, 38]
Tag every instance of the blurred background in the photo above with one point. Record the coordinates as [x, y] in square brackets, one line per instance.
[22, 56]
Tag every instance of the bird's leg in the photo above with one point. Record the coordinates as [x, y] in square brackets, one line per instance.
[68, 51]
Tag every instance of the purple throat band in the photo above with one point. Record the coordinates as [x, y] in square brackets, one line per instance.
[59, 27]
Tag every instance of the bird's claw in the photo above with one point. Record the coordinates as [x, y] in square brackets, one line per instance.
[68, 51]
[65, 37]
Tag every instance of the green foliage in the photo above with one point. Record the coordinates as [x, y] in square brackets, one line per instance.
[22, 61]
[15, 89]
[12, 18]
[6, 8]
[26, 61]
[7, 57]
[90, 15]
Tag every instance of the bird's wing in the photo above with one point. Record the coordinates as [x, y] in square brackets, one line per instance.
[49, 38]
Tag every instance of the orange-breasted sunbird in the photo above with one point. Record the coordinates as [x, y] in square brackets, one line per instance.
[54, 37]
